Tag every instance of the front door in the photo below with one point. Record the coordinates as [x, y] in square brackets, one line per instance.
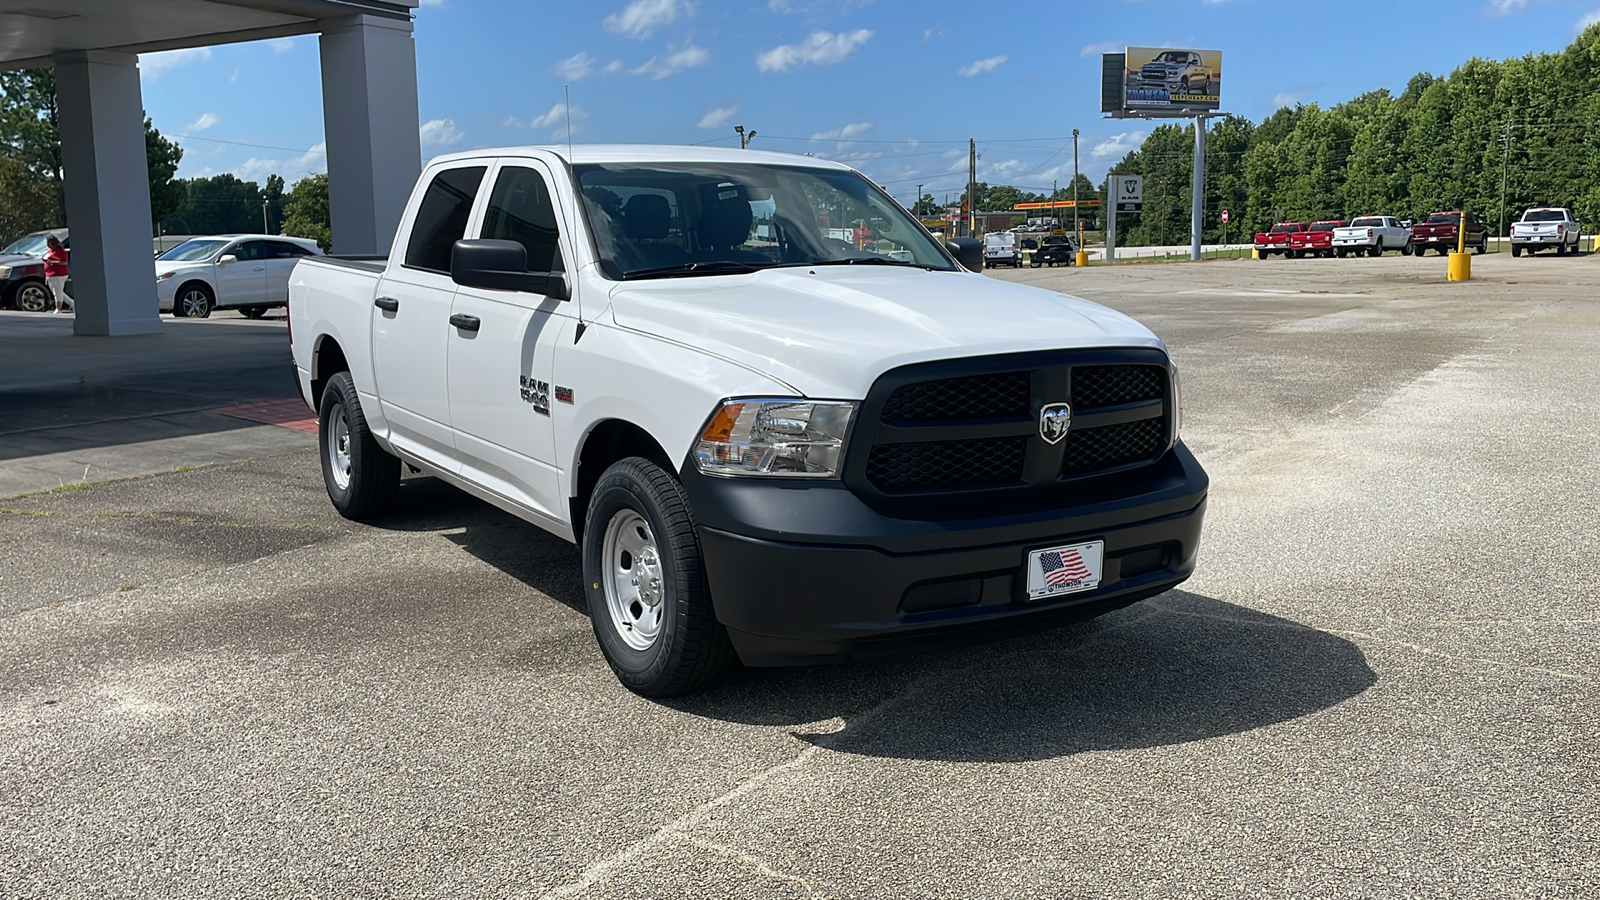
[411, 324]
[501, 374]
[242, 282]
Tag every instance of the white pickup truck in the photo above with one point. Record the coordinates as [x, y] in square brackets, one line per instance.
[1372, 235]
[782, 448]
[1546, 226]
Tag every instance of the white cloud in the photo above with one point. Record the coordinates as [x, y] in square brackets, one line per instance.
[154, 65]
[440, 133]
[575, 67]
[432, 2]
[929, 34]
[313, 160]
[1507, 7]
[556, 116]
[820, 49]
[1591, 19]
[282, 45]
[1118, 145]
[1286, 98]
[843, 134]
[982, 66]
[718, 118]
[690, 57]
[1103, 47]
[641, 17]
[202, 123]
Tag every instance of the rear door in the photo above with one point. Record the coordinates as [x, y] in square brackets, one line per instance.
[280, 259]
[411, 322]
[502, 363]
[242, 282]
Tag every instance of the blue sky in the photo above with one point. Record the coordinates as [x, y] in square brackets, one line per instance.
[892, 87]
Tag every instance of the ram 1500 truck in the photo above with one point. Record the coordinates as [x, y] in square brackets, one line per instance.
[770, 444]
[1277, 240]
[1372, 235]
[1439, 233]
[1547, 226]
[1314, 241]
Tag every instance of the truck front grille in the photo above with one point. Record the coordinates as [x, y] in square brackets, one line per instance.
[969, 430]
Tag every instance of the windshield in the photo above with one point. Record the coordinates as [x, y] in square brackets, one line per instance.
[1173, 57]
[1544, 215]
[32, 245]
[1367, 223]
[192, 251]
[1285, 229]
[1443, 218]
[659, 220]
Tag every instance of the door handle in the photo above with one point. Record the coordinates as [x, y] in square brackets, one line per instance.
[259, 269]
[465, 323]
[387, 304]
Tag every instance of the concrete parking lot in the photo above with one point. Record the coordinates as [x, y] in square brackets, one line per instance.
[1381, 681]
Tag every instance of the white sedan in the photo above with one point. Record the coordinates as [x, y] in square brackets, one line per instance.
[247, 272]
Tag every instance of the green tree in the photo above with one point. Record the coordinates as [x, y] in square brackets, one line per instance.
[219, 204]
[926, 206]
[306, 211]
[162, 156]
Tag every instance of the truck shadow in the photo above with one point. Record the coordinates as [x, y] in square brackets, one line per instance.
[1176, 668]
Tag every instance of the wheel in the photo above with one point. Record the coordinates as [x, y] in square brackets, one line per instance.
[362, 478]
[34, 297]
[252, 312]
[1405, 249]
[646, 586]
[1444, 251]
[194, 301]
[1034, 265]
[1482, 248]
[1561, 249]
[1375, 251]
[1516, 251]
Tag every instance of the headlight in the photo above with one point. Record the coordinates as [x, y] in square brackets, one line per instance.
[5, 271]
[1177, 403]
[802, 438]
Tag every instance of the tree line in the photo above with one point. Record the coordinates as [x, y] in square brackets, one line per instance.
[32, 196]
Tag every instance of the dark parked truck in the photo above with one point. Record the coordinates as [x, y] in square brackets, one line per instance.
[1314, 241]
[1277, 239]
[1439, 233]
[771, 445]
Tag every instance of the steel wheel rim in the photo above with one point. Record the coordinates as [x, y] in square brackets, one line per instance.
[32, 298]
[339, 447]
[632, 579]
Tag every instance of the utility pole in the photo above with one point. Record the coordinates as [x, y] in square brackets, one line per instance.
[918, 203]
[1111, 217]
[265, 229]
[744, 139]
[1197, 214]
[972, 188]
[1505, 162]
[1077, 226]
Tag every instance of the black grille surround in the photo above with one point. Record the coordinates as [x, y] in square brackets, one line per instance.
[959, 432]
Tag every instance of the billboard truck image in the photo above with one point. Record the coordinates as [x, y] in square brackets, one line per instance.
[1164, 80]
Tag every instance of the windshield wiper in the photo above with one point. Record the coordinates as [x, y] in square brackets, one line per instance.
[869, 261]
[716, 267]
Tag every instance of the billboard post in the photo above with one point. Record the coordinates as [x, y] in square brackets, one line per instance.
[1197, 217]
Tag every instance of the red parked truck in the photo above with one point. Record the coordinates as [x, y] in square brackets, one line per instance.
[1314, 241]
[1277, 240]
[1439, 233]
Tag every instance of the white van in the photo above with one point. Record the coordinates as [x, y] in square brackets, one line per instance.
[1000, 248]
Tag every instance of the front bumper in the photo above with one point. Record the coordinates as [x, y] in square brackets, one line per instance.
[802, 573]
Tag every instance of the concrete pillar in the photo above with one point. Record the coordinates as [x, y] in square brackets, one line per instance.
[369, 111]
[108, 192]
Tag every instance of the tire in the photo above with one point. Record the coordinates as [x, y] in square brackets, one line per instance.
[1482, 248]
[361, 477]
[194, 300]
[1405, 249]
[1443, 251]
[252, 312]
[1561, 249]
[1376, 250]
[33, 297]
[1516, 251]
[661, 638]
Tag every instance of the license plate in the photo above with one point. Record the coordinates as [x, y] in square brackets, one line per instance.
[1065, 570]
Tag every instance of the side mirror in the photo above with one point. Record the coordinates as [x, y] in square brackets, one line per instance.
[227, 259]
[968, 252]
[502, 266]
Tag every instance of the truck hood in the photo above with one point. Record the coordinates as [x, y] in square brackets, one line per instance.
[830, 331]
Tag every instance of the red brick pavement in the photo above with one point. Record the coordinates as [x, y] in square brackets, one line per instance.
[287, 413]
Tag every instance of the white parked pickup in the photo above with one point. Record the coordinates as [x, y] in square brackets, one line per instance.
[1372, 235]
[771, 444]
[1546, 226]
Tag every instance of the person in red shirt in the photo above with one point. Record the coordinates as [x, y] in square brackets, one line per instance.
[55, 272]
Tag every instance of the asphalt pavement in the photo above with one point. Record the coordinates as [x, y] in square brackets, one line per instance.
[1380, 682]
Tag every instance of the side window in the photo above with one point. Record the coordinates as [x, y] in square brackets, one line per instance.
[281, 250]
[249, 250]
[442, 218]
[521, 209]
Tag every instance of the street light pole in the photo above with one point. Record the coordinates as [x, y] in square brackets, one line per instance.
[265, 229]
[744, 139]
[1077, 227]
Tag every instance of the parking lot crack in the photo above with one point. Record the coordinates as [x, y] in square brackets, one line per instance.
[755, 864]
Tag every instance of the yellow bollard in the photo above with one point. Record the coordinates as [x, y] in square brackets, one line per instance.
[1460, 267]
[1083, 258]
[1254, 253]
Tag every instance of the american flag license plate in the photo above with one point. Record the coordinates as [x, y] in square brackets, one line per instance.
[1065, 570]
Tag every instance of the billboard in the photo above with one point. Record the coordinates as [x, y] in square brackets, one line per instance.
[1161, 81]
